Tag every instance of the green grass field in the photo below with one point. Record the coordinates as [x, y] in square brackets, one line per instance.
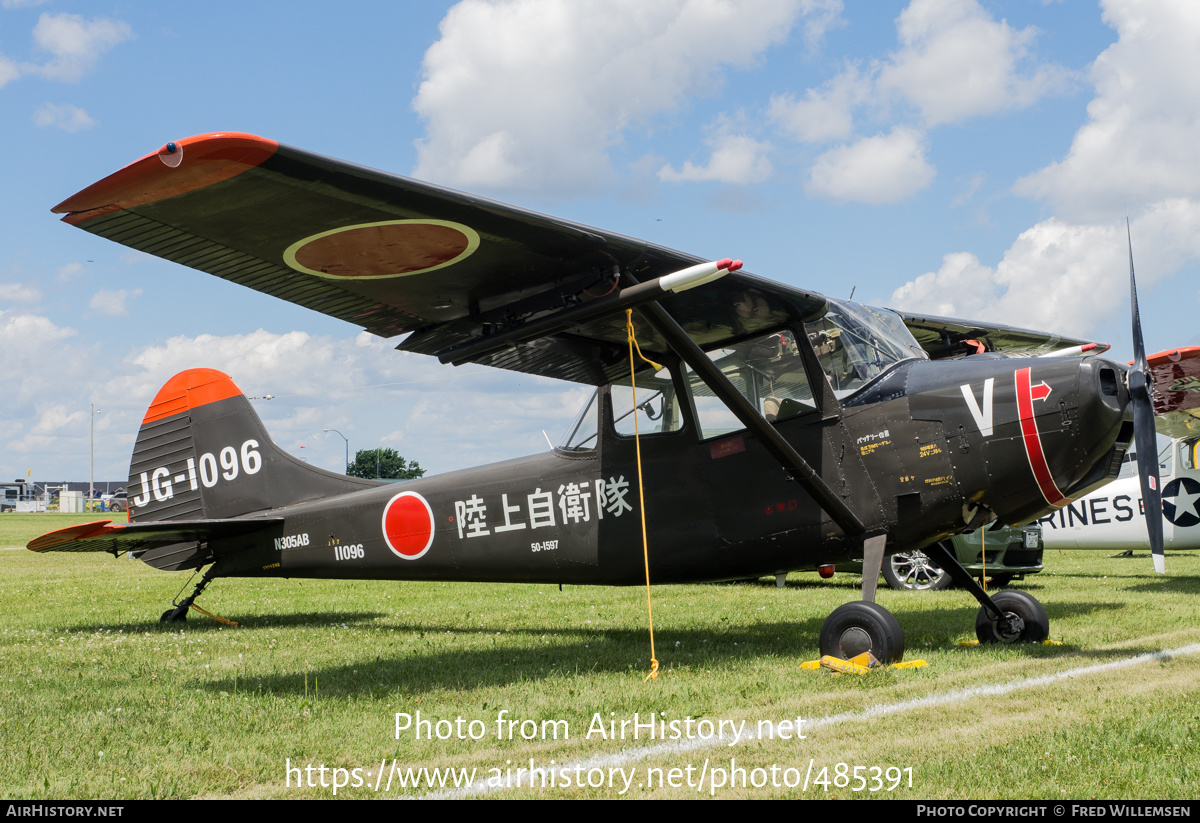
[99, 700]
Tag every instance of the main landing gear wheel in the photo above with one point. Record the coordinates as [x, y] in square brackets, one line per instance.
[914, 571]
[1025, 620]
[854, 628]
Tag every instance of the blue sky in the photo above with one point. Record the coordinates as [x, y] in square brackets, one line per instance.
[966, 158]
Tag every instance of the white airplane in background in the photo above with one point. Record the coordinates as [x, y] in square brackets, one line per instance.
[1113, 518]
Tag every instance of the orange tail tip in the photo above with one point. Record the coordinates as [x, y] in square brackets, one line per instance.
[189, 390]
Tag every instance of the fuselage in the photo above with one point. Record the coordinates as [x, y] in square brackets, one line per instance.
[925, 450]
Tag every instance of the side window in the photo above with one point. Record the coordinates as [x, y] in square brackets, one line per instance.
[1188, 450]
[657, 410]
[767, 370]
[1166, 459]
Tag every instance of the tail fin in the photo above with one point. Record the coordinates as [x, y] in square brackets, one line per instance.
[202, 453]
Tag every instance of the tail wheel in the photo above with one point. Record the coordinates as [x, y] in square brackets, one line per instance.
[1024, 621]
[858, 627]
[914, 571]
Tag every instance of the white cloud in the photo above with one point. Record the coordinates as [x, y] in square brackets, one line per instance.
[44, 363]
[76, 43]
[824, 114]
[66, 117]
[1139, 144]
[8, 71]
[820, 17]
[956, 62]
[19, 293]
[886, 168]
[1069, 273]
[735, 159]
[112, 302]
[1068, 278]
[534, 93]
[23, 335]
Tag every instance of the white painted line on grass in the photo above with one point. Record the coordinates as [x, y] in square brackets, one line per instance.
[626, 756]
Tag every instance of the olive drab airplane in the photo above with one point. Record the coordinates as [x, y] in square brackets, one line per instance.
[779, 429]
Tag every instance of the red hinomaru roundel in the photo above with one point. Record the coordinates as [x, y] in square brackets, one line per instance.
[408, 525]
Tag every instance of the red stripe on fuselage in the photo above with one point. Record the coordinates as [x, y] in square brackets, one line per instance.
[1033, 441]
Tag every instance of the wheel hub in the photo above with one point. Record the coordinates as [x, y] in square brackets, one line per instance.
[1009, 627]
[854, 641]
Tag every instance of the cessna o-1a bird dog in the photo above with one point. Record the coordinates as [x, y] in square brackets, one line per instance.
[779, 429]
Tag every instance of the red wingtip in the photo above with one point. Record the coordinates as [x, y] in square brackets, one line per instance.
[735, 265]
[724, 263]
[188, 390]
[193, 163]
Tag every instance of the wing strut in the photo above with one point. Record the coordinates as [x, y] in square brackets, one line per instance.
[780, 449]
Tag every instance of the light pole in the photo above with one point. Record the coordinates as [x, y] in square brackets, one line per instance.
[92, 457]
[339, 434]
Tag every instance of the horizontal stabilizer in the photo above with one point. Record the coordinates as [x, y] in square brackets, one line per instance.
[164, 544]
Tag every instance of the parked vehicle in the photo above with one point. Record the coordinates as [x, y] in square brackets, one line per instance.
[999, 555]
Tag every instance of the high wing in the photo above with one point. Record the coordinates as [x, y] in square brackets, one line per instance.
[395, 255]
[948, 337]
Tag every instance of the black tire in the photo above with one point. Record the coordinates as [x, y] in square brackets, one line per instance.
[177, 614]
[914, 571]
[854, 628]
[116, 506]
[1024, 606]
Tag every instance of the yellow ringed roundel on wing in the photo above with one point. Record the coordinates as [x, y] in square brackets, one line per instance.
[389, 248]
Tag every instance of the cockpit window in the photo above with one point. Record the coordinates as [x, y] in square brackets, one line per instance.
[856, 343]
[1189, 450]
[657, 409]
[767, 370]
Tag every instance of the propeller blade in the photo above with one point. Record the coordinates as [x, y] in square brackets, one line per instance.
[1144, 434]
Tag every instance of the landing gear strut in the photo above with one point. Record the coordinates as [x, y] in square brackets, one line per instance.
[864, 626]
[179, 610]
[1009, 616]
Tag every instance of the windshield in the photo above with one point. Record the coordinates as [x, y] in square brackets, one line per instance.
[582, 434]
[856, 343]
